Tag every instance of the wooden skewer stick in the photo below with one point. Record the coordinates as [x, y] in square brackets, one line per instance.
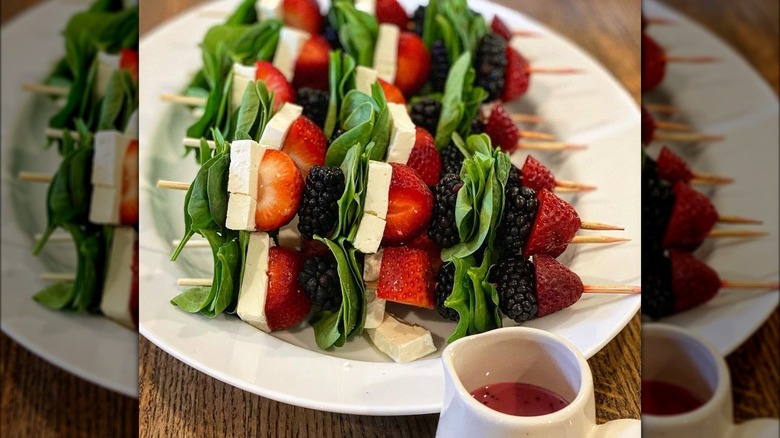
[193, 243]
[173, 185]
[56, 238]
[34, 177]
[526, 34]
[612, 289]
[536, 135]
[686, 137]
[671, 126]
[550, 146]
[732, 219]
[53, 90]
[195, 143]
[560, 189]
[526, 118]
[597, 239]
[59, 133]
[743, 284]
[692, 59]
[661, 108]
[599, 226]
[186, 100]
[573, 185]
[720, 233]
[708, 179]
[555, 70]
[57, 277]
[194, 282]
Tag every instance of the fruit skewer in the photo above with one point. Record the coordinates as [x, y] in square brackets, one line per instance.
[672, 168]
[650, 133]
[654, 60]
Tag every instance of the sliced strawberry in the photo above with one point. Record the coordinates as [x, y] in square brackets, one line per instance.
[311, 68]
[128, 60]
[555, 225]
[413, 64]
[693, 282]
[692, 219]
[128, 204]
[392, 93]
[648, 126]
[517, 76]
[537, 176]
[286, 303]
[425, 159]
[502, 130]
[406, 277]
[500, 28]
[133, 303]
[303, 14]
[557, 287]
[305, 144]
[409, 208]
[672, 168]
[653, 64]
[425, 243]
[276, 83]
[279, 187]
[390, 11]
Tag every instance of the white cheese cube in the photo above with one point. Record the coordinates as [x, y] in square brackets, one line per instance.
[131, 129]
[289, 236]
[107, 65]
[242, 76]
[402, 136]
[372, 265]
[375, 309]
[364, 78]
[115, 302]
[241, 212]
[251, 296]
[110, 148]
[269, 9]
[245, 157]
[367, 6]
[402, 341]
[386, 51]
[288, 48]
[276, 130]
[104, 205]
[369, 234]
[378, 188]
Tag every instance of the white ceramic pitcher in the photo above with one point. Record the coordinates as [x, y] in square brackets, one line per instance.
[525, 355]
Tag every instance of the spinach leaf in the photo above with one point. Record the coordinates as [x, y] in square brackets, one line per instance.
[56, 296]
[244, 14]
[217, 181]
[358, 32]
[460, 300]
[452, 108]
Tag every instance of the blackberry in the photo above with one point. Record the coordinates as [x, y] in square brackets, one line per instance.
[440, 65]
[451, 159]
[320, 280]
[520, 206]
[490, 64]
[515, 178]
[445, 282]
[417, 23]
[657, 205]
[319, 209]
[314, 103]
[515, 280]
[657, 296]
[443, 230]
[331, 34]
[425, 113]
[336, 134]
[478, 125]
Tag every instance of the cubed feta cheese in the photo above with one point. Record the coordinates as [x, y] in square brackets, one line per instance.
[375, 309]
[402, 341]
[364, 78]
[276, 130]
[369, 234]
[241, 212]
[288, 49]
[378, 188]
[242, 76]
[251, 296]
[104, 205]
[269, 9]
[289, 235]
[110, 148]
[107, 65]
[367, 6]
[115, 302]
[372, 265]
[402, 136]
[386, 51]
[245, 157]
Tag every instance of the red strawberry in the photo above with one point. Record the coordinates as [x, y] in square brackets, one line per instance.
[409, 208]
[305, 144]
[555, 225]
[133, 303]
[413, 64]
[286, 304]
[128, 60]
[406, 277]
[557, 287]
[502, 130]
[693, 282]
[672, 168]
[303, 14]
[653, 64]
[390, 11]
[279, 188]
[536, 176]
[425, 243]
[276, 83]
[128, 204]
[392, 93]
[312, 248]
[648, 126]
[425, 159]
[693, 217]
[311, 68]
[518, 75]
[500, 28]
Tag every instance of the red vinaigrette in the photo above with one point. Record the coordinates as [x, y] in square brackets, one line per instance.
[661, 398]
[521, 399]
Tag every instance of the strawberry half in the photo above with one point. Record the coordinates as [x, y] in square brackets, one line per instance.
[405, 276]
[413, 63]
[279, 188]
[648, 126]
[305, 144]
[409, 208]
[286, 304]
[536, 176]
[653, 64]
[693, 217]
[128, 203]
[500, 28]
[425, 243]
[390, 11]
[302, 14]
[555, 225]
[392, 93]
[693, 282]
[311, 68]
[517, 76]
[128, 60]
[557, 287]
[276, 83]
[672, 168]
[425, 159]
[502, 130]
